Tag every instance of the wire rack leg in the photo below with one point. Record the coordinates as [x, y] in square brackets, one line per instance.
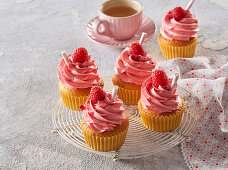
[54, 130]
[116, 157]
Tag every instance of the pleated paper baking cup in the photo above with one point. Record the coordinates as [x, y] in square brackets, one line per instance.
[170, 52]
[104, 143]
[130, 97]
[161, 123]
[72, 102]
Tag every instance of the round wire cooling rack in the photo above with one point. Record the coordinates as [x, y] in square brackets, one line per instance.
[139, 141]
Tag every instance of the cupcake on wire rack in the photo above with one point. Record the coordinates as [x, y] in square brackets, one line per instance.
[161, 108]
[178, 30]
[132, 67]
[104, 124]
[77, 74]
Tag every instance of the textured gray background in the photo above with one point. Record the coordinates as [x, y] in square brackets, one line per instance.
[32, 34]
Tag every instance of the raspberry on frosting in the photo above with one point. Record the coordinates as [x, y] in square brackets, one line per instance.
[159, 77]
[156, 94]
[134, 68]
[80, 55]
[136, 49]
[78, 70]
[178, 13]
[101, 112]
[135, 57]
[97, 94]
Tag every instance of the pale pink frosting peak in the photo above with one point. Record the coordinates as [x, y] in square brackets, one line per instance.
[78, 75]
[182, 29]
[133, 71]
[103, 115]
[160, 99]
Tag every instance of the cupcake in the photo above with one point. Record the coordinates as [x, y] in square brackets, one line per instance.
[77, 74]
[132, 67]
[160, 107]
[177, 36]
[104, 125]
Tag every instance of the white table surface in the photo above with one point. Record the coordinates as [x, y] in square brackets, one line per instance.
[32, 34]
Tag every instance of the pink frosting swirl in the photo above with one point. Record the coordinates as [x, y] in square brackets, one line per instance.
[104, 115]
[133, 71]
[183, 29]
[159, 100]
[78, 75]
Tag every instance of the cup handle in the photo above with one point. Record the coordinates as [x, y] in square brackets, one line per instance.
[96, 25]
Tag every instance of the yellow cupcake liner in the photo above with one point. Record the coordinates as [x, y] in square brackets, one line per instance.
[104, 143]
[72, 102]
[130, 97]
[170, 51]
[158, 123]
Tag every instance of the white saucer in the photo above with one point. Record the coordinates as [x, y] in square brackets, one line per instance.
[147, 26]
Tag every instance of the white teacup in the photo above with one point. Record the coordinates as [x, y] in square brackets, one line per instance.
[119, 19]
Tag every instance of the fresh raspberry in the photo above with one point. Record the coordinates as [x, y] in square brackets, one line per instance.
[135, 57]
[80, 55]
[178, 13]
[136, 49]
[82, 107]
[97, 94]
[159, 77]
